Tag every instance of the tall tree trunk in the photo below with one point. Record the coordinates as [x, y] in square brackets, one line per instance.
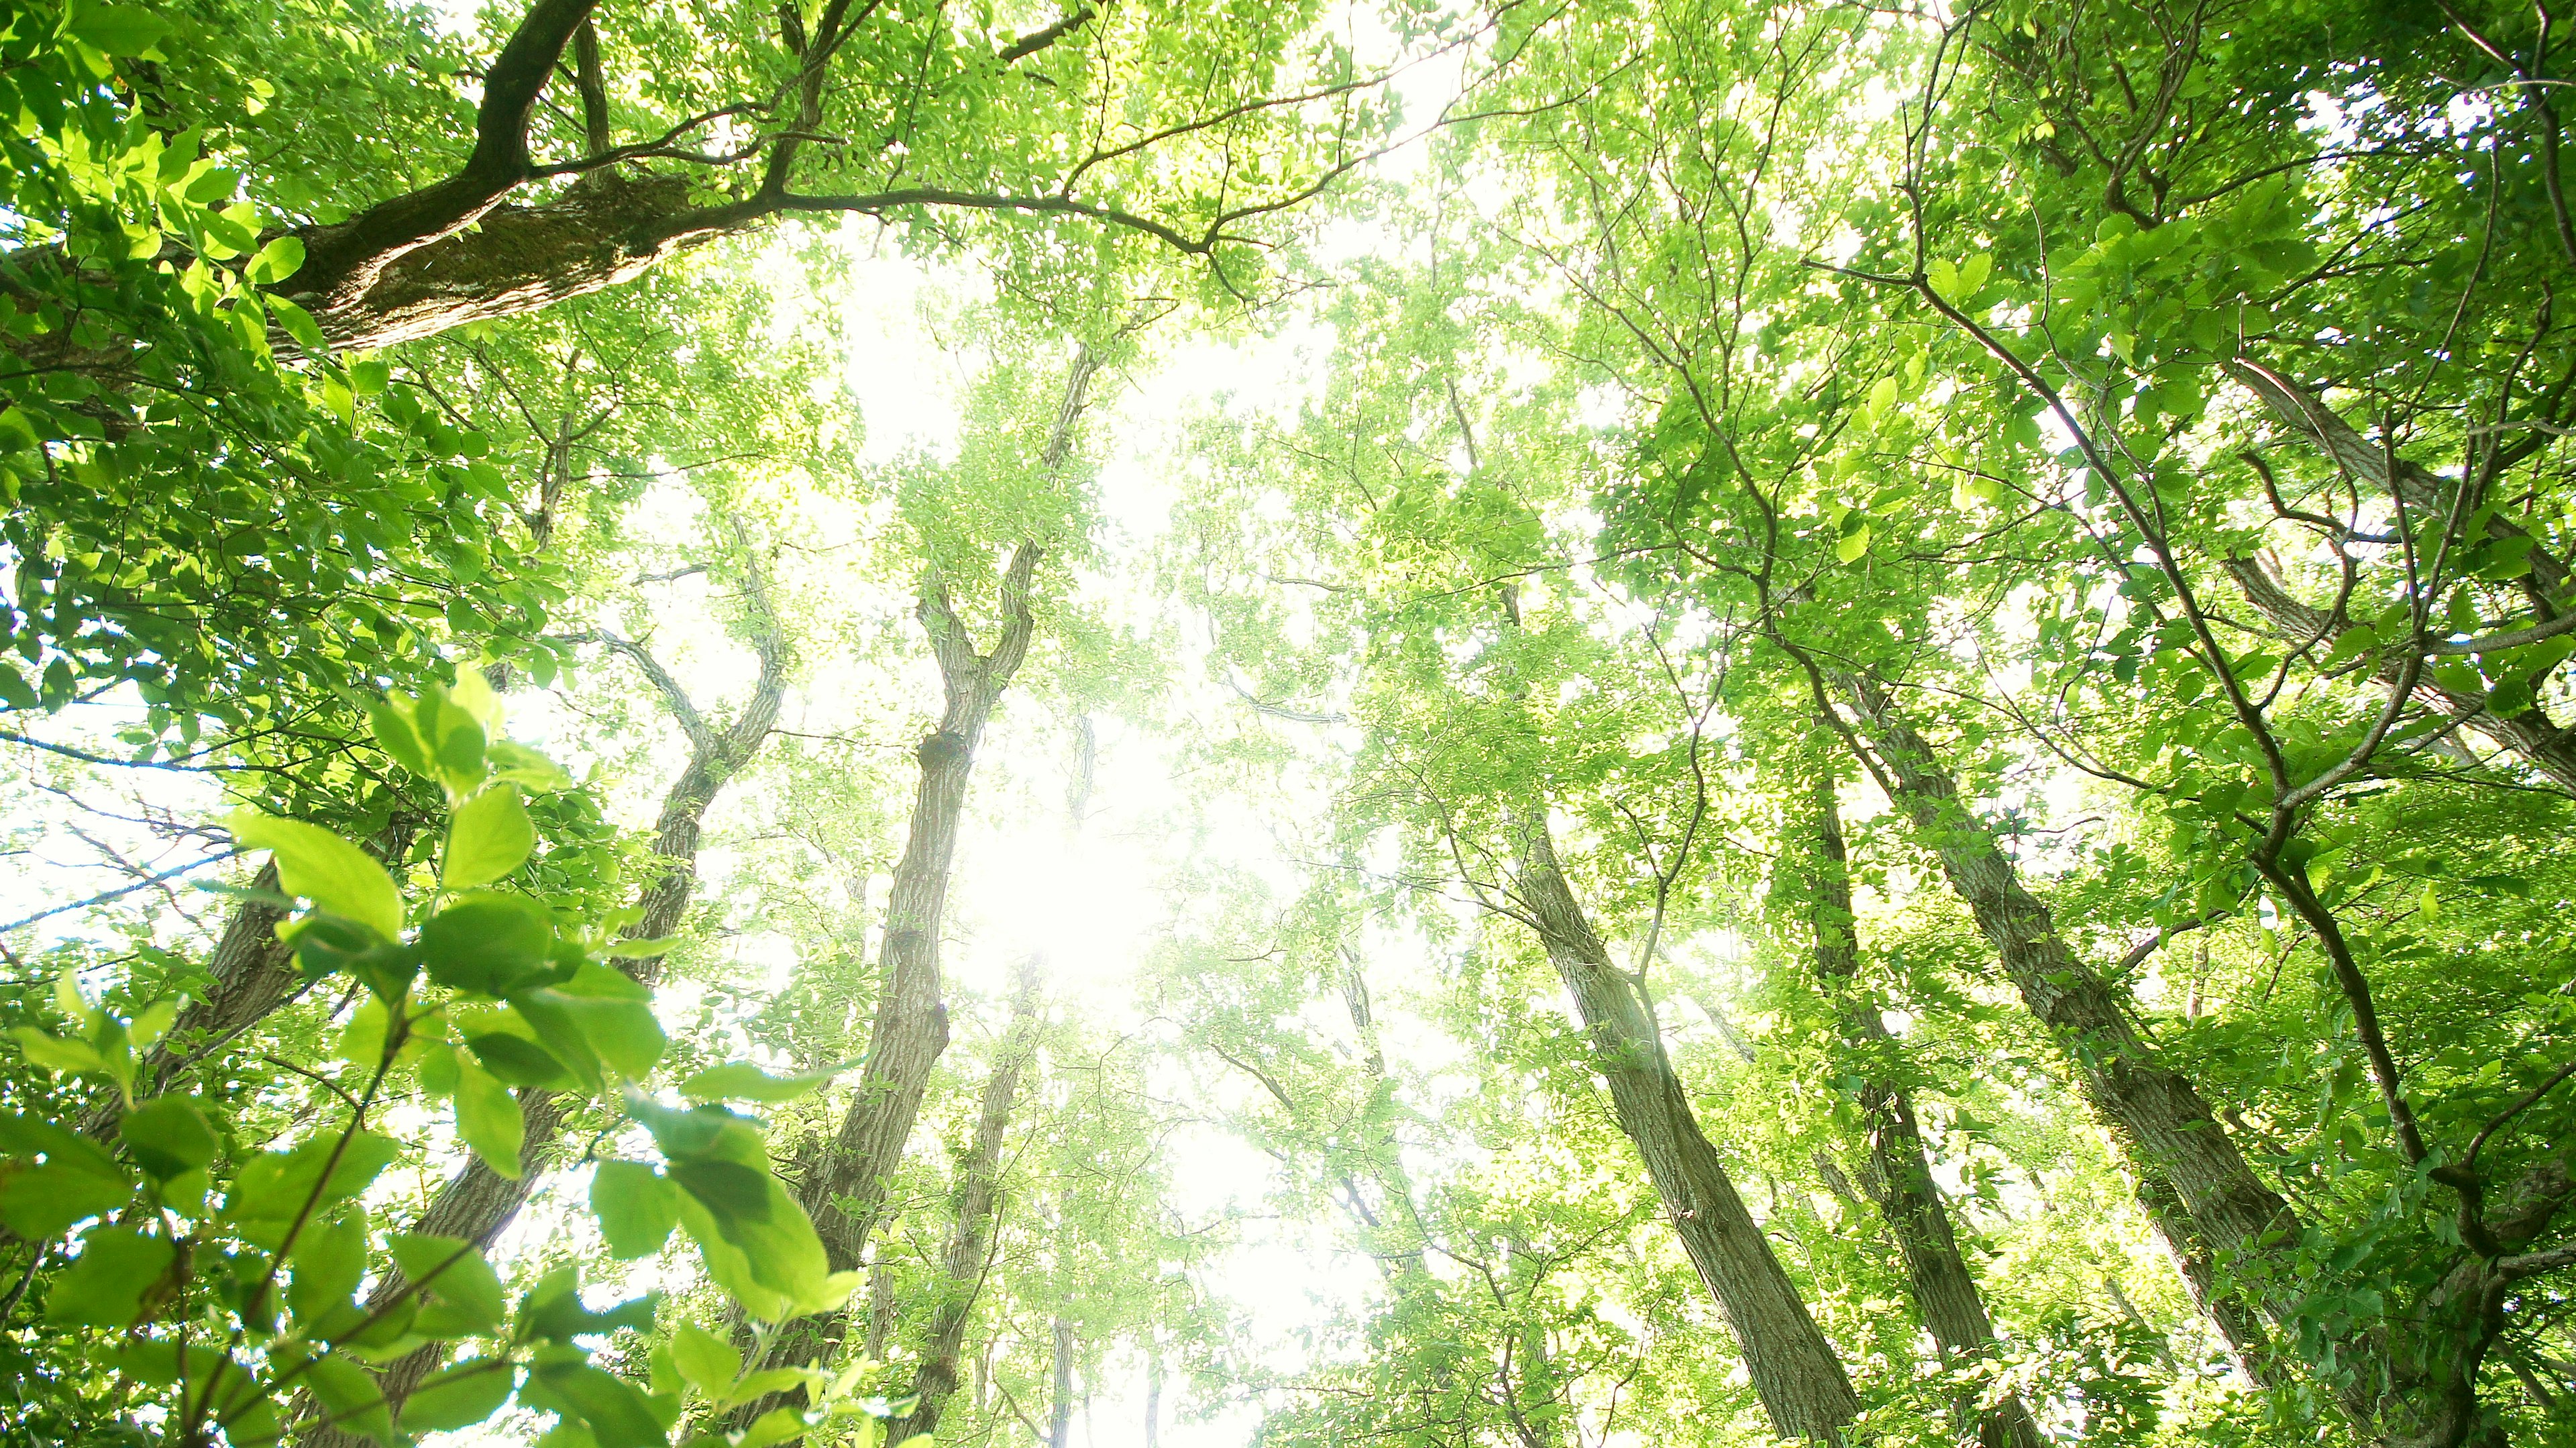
[1794, 1369]
[2163, 1126]
[477, 1204]
[254, 975]
[843, 1188]
[1060, 1415]
[1899, 1178]
[1154, 1400]
[977, 1200]
[2529, 734]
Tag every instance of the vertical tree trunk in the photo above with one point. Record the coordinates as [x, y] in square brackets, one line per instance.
[1154, 1400]
[2163, 1126]
[477, 1204]
[1899, 1179]
[977, 1200]
[1060, 1416]
[843, 1189]
[1794, 1369]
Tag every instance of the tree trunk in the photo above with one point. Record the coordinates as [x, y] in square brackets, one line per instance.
[1060, 1416]
[2531, 735]
[843, 1190]
[478, 1203]
[978, 1203]
[2163, 1126]
[1899, 1177]
[1794, 1370]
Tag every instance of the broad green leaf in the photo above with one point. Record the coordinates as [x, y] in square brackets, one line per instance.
[459, 1396]
[652, 949]
[636, 1206]
[276, 261]
[613, 1409]
[329, 1260]
[487, 943]
[352, 1400]
[40, 1203]
[275, 1188]
[517, 764]
[489, 836]
[117, 29]
[168, 1135]
[42, 1048]
[745, 1081]
[615, 1014]
[104, 1286]
[457, 1277]
[706, 1360]
[396, 736]
[488, 1117]
[518, 1060]
[325, 869]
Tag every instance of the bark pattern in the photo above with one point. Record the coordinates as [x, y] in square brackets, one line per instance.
[1898, 1180]
[1795, 1371]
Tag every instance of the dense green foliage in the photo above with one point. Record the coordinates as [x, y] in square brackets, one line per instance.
[1577, 726]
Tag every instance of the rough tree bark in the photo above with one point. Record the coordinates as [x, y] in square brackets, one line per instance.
[1794, 1369]
[977, 1200]
[2530, 735]
[477, 1204]
[843, 1186]
[1060, 1415]
[2218, 1209]
[1899, 1175]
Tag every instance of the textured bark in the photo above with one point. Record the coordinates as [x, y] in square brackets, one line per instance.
[1060, 1417]
[2531, 735]
[478, 1203]
[2163, 1126]
[977, 1202]
[254, 975]
[843, 1186]
[2426, 496]
[1899, 1176]
[1794, 1369]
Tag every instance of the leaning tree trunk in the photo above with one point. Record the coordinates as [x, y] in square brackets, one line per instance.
[254, 975]
[978, 1202]
[2162, 1124]
[1793, 1368]
[843, 1188]
[1899, 1177]
[477, 1204]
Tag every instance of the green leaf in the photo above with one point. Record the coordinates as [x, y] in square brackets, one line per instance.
[488, 1117]
[273, 1190]
[652, 949]
[1852, 544]
[276, 261]
[706, 1360]
[518, 1060]
[325, 869]
[41, 1203]
[396, 736]
[517, 764]
[117, 29]
[636, 1206]
[104, 1287]
[54, 1053]
[459, 1396]
[616, 1017]
[351, 1397]
[168, 1135]
[457, 1276]
[487, 943]
[330, 1259]
[744, 1081]
[489, 836]
[615, 1410]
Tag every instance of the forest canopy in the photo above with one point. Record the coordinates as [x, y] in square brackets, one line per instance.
[1503, 724]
